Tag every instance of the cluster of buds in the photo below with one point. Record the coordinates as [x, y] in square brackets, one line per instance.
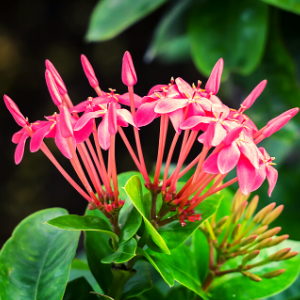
[244, 233]
[190, 109]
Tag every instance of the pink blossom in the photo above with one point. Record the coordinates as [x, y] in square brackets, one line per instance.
[89, 71]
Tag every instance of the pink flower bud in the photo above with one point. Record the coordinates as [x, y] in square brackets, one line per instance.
[129, 77]
[58, 80]
[291, 112]
[53, 88]
[89, 71]
[65, 123]
[14, 110]
[247, 103]
[214, 80]
[277, 125]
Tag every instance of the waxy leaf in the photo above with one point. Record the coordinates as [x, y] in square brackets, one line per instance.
[83, 223]
[79, 289]
[289, 5]
[133, 188]
[161, 267]
[124, 253]
[233, 30]
[35, 262]
[110, 18]
[236, 286]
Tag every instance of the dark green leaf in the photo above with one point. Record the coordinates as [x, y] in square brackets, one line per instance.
[236, 286]
[97, 247]
[124, 253]
[79, 289]
[110, 18]
[161, 267]
[133, 188]
[234, 30]
[289, 5]
[35, 262]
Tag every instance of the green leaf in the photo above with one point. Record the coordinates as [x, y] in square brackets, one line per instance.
[236, 286]
[79, 289]
[35, 262]
[183, 267]
[124, 253]
[133, 188]
[97, 247]
[83, 223]
[140, 282]
[289, 5]
[131, 224]
[175, 235]
[234, 30]
[161, 267]
[110, 18]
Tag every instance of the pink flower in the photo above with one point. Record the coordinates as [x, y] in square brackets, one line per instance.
[89, 71]
[58, 80]
[129, 77]
[54, 93]
[14, 110]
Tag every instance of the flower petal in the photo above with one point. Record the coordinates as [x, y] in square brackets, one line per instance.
[145, 114]
[86, 118]
[82, 134]
[168, 105]
[125, 99]
[246, 175]
[17, 136]
[103, 133]
[219, 134]
[62, 143]
[272, 175]
[19, 152]
[260, 176]
[194, 121]
[210, 164]
[228, 158]
[112, 119]
[38, 137]
[250, 150]
[176, 118]
[183, 87]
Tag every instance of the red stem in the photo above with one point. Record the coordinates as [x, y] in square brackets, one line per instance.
[113, 168]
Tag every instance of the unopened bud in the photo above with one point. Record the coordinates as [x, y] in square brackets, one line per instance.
[278, 240]
[248, 240]
[247, 103]
[58, 80]
[129, 77]
[238, 213]
[269, 233]
[89, 71]
[237, 200]
[289, 255]
[260, 230]
[277, 125]
[250, 257]
[273, 215]
[291, 112]
[222, 222]
[263, 212]
[53, 90]
[251, 208]
[235, 231]
[14, 110]
[252, 276]
[279, 254]
[263, 244]
[273, 274]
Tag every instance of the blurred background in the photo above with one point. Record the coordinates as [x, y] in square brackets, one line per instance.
[257, 39]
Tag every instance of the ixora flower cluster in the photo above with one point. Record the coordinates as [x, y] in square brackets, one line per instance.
[190, 109]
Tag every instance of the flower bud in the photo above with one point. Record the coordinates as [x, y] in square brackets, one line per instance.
[89, 71]
[273, 215]
[263, 244]
[65, 123]
[235, 231]
[251, 208]
[291, 112]
[57, 78]
[53, 88]
[14, 110]
[248, 240]
[273, 274]
[214, 80]
[277, 125]
[260, 230]
[289, 255]
[222, 222]
[252, 276]
[237, 200]
[250, 257]
[129, 77]
[238, 213]
[269, 233]
[247, 103]
[279, 254]
[263, 212]
[278, 240]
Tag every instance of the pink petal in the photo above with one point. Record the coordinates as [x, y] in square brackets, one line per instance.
[219, 134]
[250, 150]
[14, 110]
[204, 103]
[168, 105]
[89, 71]
[58, 80]
[65, 122]
[209, 134]
[86, 118]
[62, 143]
[184, 88]
[176, 118]
[272, 175]
[19, 152]
[124, 117]
[112, 119]
[291, 112]
[194, 121]
[103, 133]
[277, 125]
[233, 135]
[260, 176]
[214, 80]
[124, 99]
[80, 107]
[39, 135]
[195, 109]
[129, 77]
[247, 103]
[228, 158]
[82, 134]
[156, 88]
[210, 164]
[246, 175]
[214, 99]
[145, 114]
[17, 136]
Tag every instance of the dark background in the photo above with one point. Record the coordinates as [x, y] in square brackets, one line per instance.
[32, 31]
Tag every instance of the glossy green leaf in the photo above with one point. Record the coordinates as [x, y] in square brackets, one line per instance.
[289, 5]
[97, 247]
[131, 224]
[175, 235]
[79, 289]
[161, 267]
[110, 18]
[140, 282]
[124, 253]
[35, 262]
[83, 223]
[233, 30]
[133, 188]
[236, 286]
